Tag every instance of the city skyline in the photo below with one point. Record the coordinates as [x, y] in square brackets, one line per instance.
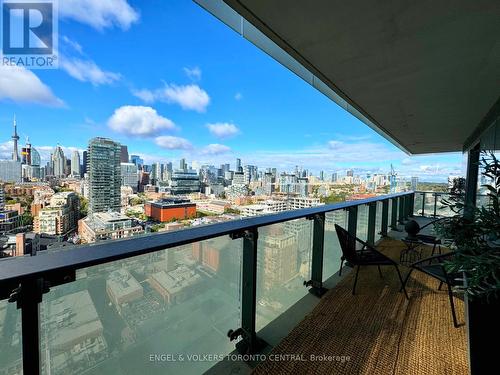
[210, 97]
[47, 154]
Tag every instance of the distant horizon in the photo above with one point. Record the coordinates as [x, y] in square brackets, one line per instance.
[206, 95]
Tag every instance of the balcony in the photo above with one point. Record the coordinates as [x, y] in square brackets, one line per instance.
[377, 331]
[426, 78]
[160, 302]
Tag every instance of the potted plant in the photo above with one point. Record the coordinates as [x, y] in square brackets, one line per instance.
[475, 234]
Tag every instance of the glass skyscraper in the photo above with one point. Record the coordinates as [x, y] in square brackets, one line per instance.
[104, 173]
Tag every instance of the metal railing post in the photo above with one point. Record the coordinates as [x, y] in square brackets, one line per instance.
[413, 196]
[471, 181]
[316, 281]
[394, 214]
[423, 204]
[435, 204]
[372, 218]
[409, 205]
[250, 343]
[28, 297]
[401, 210]
[352, 221]
[385, 218]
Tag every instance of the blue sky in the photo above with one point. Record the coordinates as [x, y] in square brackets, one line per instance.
[169, 80]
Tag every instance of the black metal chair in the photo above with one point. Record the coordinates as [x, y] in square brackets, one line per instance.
[366, 256]
[430, 239]
[438, 272]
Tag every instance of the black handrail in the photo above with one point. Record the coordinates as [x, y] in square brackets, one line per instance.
[26, 279]
[17, 269]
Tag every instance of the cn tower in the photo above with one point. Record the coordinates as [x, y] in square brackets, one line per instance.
[15, 138]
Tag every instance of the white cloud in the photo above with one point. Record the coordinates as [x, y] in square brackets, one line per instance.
[88, 71]
[215, 149]
[6, 150]
[145, 95]
[223, 129]
[190, 97]
[238, 96]
[193, 73]
[173, 143]
[23, 86]
[139, 121]
[73, 44]
[361, 151]
[100, 14]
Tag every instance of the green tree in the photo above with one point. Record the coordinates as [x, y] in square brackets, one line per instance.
[84, 206]
[26, 218]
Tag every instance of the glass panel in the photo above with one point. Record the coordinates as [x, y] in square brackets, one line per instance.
[441, 209]
[332, 250]
[10, 339]
[429, 204]
[145, 314]
[389, 219]
[417, 205]
[482, 200]
[283, 263]
[378, 221]
[362, 227]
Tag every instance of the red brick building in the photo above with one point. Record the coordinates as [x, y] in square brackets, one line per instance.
[168, 209]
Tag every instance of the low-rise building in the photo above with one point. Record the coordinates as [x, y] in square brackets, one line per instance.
[9, 220]
[168, 209]
[10, 171]
[263, 208]
[297, 203]
[41, 198]
[176, 285]
[107, 226]
[125, 193]
[216, 207]
[74, 332]
[15, 207]
[122, 288]
[60, 217]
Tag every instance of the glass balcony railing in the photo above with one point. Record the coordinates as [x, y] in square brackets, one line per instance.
[159, 303]
[121, 317]
[433, 204]
[10, 339]
[362, 226]
[332, 251]
[378, 220]
[283, 263]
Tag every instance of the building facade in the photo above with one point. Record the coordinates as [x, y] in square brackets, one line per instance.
[10, 171]
[60, 217]
[169, 209]
[184, 182]
[75, 164]
[104, 175]
[107, 226]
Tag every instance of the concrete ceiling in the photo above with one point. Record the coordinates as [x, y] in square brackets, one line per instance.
[424, 72]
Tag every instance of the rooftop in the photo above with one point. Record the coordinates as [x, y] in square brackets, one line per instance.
[122, 283]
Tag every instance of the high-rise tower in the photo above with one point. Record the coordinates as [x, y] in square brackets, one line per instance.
[104, 174]
[15, 138]
[58, 161]
[75, 164]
